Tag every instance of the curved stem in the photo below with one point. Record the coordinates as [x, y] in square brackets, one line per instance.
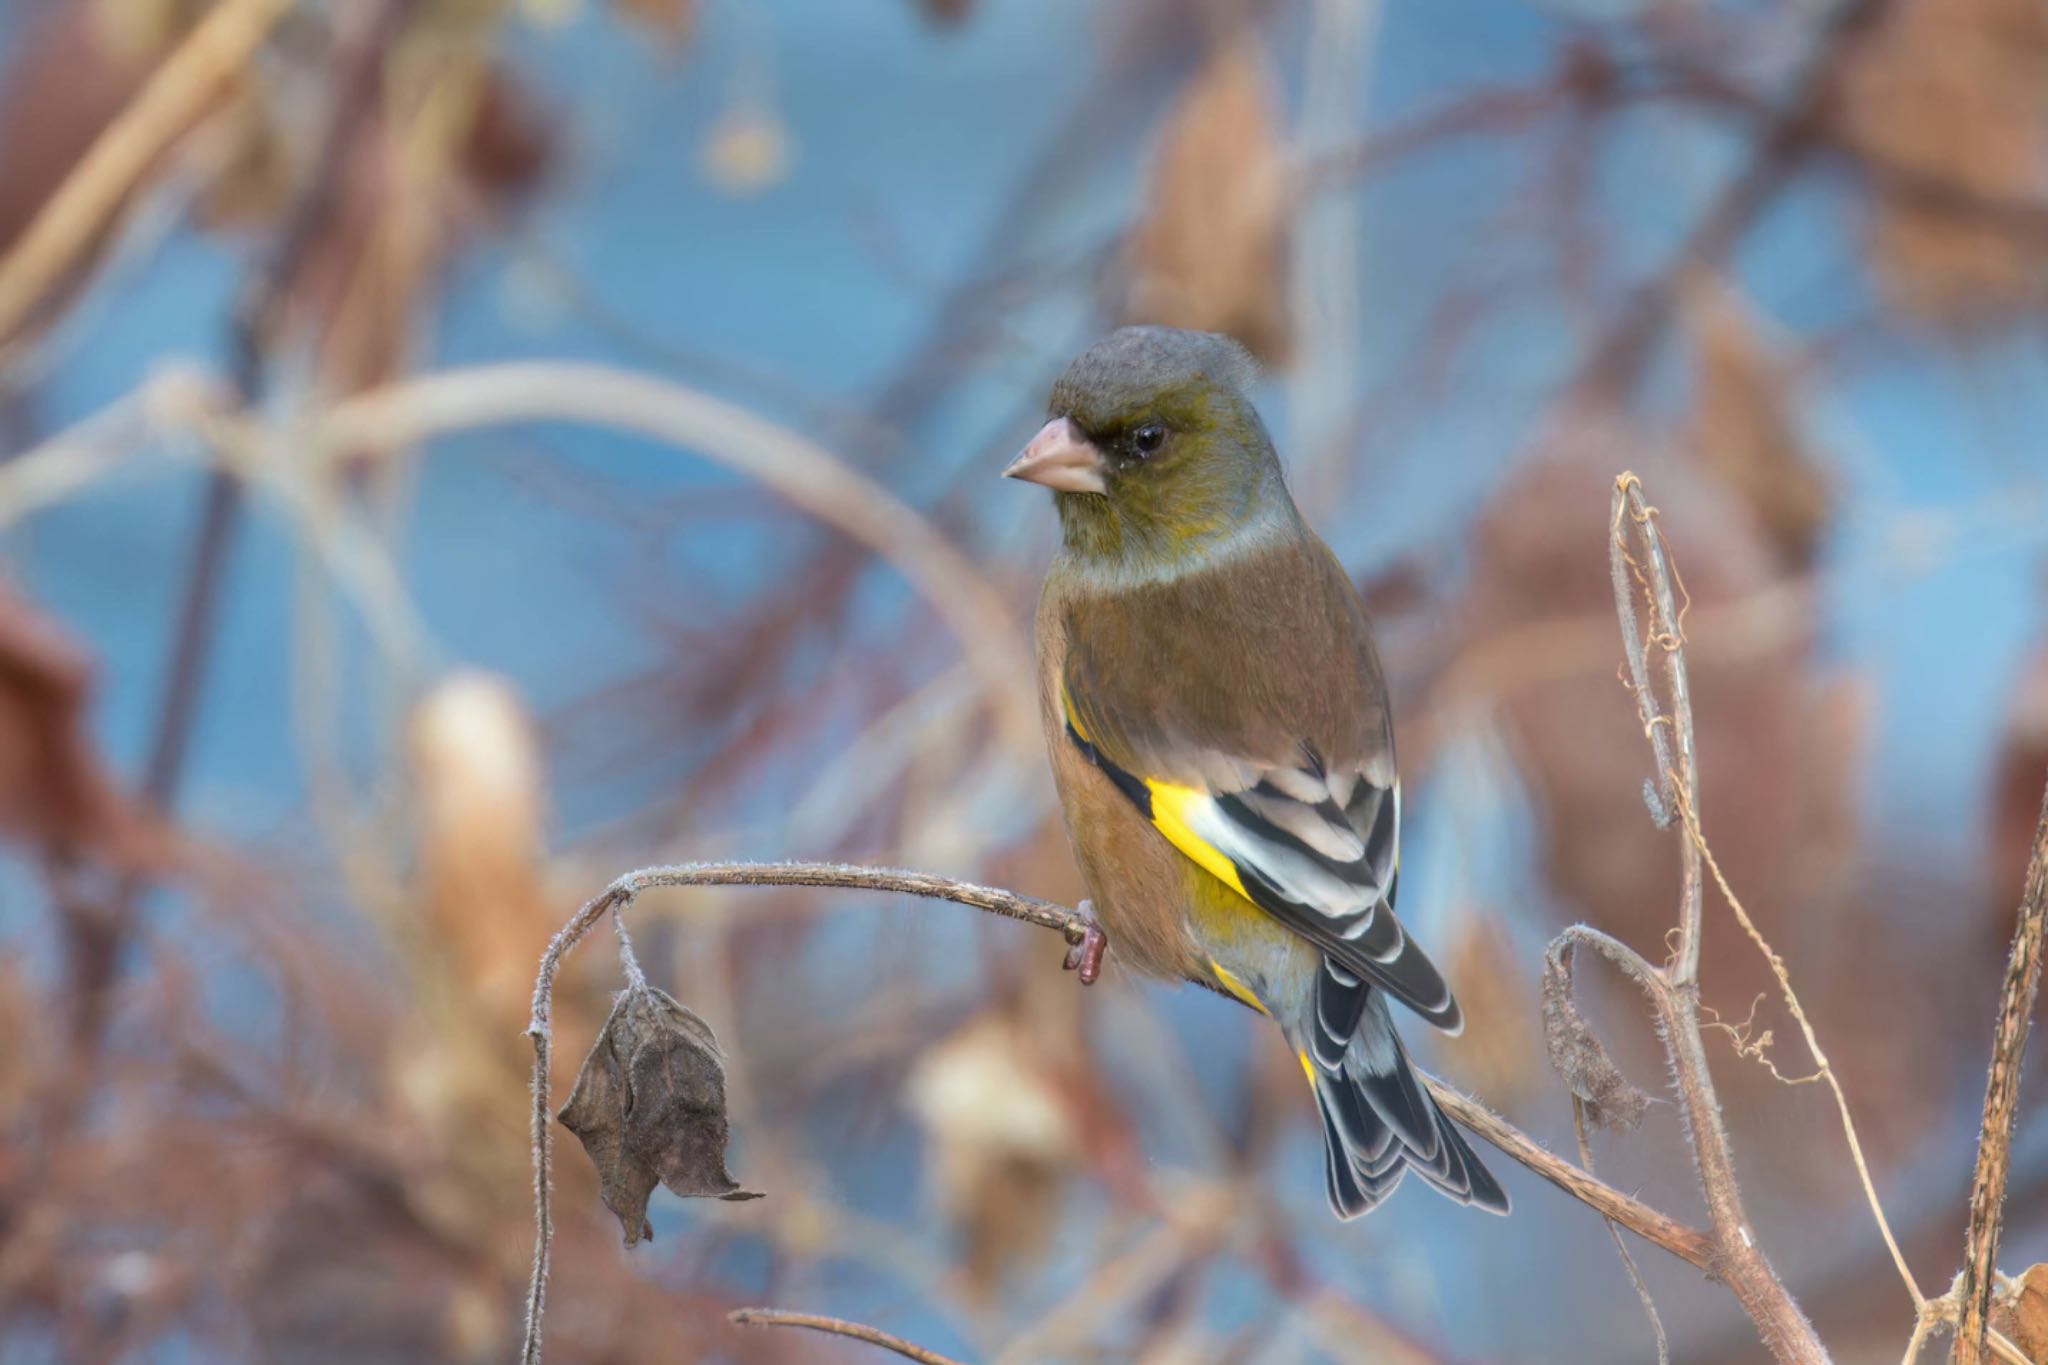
[1688, 1244]
[838, 1327]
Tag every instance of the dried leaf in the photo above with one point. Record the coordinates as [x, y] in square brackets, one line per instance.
[66, 77]
[649, 1108]
[1744, 429]
[1957, 90]
[2023, 1316]
[1003, 1135]
[53, 791]
[477, 780]
[1578, 1056]
[1211, 250]
[672, 22]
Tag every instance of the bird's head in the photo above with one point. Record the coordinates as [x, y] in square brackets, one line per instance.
[1153, 447]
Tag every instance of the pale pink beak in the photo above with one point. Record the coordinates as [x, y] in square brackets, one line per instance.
[1062, 459]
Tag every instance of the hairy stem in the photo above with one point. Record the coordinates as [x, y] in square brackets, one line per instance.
[2001, 1096]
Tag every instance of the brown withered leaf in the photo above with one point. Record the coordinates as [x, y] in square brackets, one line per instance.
[672, 22]
[1578, 1056]
[1956, 90]
[53, 791]
[1211, 250]
[649, 1108]
[2023, 1315]
[1743, 427]
[480, 803]
[1004, 1133]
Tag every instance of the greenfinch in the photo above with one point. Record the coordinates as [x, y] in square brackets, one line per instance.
[1222, 745]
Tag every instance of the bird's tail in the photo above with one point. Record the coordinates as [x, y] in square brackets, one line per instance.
[1378, 1119]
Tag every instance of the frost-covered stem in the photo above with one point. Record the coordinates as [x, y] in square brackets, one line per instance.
[621, 894]
[1681, 1241]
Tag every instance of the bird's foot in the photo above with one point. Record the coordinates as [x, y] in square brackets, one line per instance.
[1084, 955]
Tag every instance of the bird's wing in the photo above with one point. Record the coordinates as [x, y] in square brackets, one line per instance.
[1316, 845]
[1240, 707]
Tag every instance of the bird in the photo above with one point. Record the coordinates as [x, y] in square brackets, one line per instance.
[1222, 745]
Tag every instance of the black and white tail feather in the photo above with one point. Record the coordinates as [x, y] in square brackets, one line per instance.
[1378, 1120]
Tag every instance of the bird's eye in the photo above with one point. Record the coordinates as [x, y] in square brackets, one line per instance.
[1147, 439]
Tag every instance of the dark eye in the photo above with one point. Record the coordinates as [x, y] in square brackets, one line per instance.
[1147, 439]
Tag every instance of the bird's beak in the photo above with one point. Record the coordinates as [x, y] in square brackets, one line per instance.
[1062, 459]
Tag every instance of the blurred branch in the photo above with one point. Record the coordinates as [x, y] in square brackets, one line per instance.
[838, 1327]
[805, 473]
[95, 939]
[1777, 147]
[2001, 1098]
[176, 96]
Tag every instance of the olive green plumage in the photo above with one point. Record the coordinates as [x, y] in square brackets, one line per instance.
[1220, 738]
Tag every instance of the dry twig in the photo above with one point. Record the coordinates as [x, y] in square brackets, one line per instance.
[1640, 568]
[838, 1327]
[2001, 1095]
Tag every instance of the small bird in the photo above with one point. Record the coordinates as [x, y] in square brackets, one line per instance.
[1222, 745]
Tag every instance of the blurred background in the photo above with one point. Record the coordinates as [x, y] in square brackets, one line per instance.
[458, 450]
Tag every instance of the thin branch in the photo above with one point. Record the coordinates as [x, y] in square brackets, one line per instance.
[617, 897]
[838, 1327]
[1628, 1261]
[1636, 556]
[1633, 520]
[177, 94]
[2001, 1096]
[806, 473]
[1824, 1069]
[1778, 145]
[1688, 1244]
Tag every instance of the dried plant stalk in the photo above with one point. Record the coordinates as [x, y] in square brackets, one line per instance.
[2001, 1096]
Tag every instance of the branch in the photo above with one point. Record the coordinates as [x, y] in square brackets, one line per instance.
[2001, 1096]
[621, 894]
[176, 96]
[838, 1327]
[1688, 1244]
[1638, 562]
[814, 479]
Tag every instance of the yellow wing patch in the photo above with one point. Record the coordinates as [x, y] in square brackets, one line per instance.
[1171, 806]
[1308, 1068]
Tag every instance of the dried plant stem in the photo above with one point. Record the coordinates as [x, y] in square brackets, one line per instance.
[176, 95]
[1824, 1069]
[620, 894]
[1628, 1261]
[838, 1327]
[1656, 655]
[2001, 1095]
[1688, 1244]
